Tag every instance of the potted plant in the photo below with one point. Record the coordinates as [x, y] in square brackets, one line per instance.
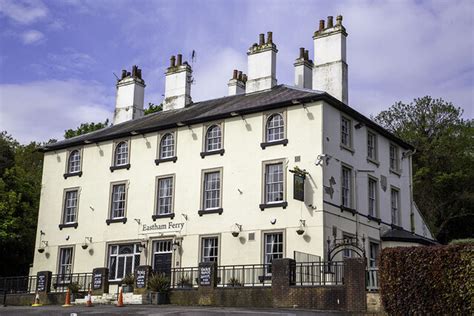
[233, 282]
[127, 283]
[74, 289]
[185, 281]
[160, 284]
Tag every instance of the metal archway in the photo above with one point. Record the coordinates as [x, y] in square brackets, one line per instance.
[341, 244]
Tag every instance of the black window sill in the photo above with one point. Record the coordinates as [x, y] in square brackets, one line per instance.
[156, 216]
[214, 152]
[127, 166]
[61, 226]
[372, 161]
[283, 142]
[270, 205]
[375, 219]
[161, 160]
[212, 211]
[348, 148]
[348, 209]
[73, 174]
[116, 220]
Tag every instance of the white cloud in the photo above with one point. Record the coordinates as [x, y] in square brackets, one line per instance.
[32, 37]
[23, 12]
[45, 109]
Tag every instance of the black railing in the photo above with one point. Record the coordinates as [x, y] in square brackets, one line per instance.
[182, 278]
[244, 275]
[59, 283]
[319, 273]
[18, 284]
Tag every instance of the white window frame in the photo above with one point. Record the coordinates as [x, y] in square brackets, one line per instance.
[167, 150]
[394, 159]
[268, 257]
[113, 201]
[347, 186]
[346, 132]
[373, 261]
[162, 196]
[395, 210]
[278, 130]
[134, 256]
[121, 158]
[67, 206]
[209, 248]
[63, 267]
[74, 166]
[373, 199]
[267, 185]
[217, 138]
[207, 191]
[372, 146]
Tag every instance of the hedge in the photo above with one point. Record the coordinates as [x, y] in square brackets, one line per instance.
[436, 280]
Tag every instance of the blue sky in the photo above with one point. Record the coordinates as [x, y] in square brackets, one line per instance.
[57, 58]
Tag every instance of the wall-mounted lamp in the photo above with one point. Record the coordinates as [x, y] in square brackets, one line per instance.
[176, 244]
[85, 245]
[237, 230]
[322, 159]
[300, 230]
[141, 246]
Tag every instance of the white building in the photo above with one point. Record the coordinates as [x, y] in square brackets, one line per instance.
[214, 180]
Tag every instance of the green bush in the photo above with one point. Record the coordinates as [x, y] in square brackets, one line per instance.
[159, 282]
[436, 280]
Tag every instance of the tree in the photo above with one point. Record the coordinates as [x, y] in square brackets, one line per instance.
[152, 108]
[443, 165]
[85, 128]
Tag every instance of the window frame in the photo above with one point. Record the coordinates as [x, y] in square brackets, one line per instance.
[284, 202]
[373, 262]
[66, 277]
[205, 152]
[116, 143]
[376, 197]
[63, 223]
[122, 219]
[263, 245]
[203, 210]
[156, 214]
[399, 212]
[265, 119]
[159, 159]
[350, 145]
[67, 173]
[375, 158]
[351, 185]
[108, 250]
[397, 169]
[201, 247]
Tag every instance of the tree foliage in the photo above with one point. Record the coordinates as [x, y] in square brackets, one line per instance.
[443, 165]
[153, 108]
[85, 128]
[20, 186]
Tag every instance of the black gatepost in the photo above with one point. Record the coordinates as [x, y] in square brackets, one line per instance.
[100, 281]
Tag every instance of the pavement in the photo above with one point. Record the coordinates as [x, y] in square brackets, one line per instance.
[154, 310]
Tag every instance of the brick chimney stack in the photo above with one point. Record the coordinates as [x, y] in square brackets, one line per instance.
[237, 83]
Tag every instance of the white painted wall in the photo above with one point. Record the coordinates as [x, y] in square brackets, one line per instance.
[129, 100]
[177, 88]
[261, 69]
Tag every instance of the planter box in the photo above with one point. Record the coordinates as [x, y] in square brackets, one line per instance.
[159, 298]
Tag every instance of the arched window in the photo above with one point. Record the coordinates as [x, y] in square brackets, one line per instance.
[121, 154]
[74, 162]
[167, 146]
[275, 129]
[213, 138]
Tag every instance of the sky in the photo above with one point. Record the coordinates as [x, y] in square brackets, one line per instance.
[58, 57]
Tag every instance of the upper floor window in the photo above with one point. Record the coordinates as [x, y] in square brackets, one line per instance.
[346, 132]
[274, 183]
[213, 138]
[118, 201]
[167, 146]
[74, 162]
[70, 207]
[212, 190]
[394, 158]
[121, 154]
[395, 206]
[209, 249]
[165, 196]
[371, 146]
[372, 186]
[275, 129]
[346, 187]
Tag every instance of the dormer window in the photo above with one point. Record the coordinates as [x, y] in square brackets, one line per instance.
[73, 167]
[213, 141]
[121, 156]
[274, 133]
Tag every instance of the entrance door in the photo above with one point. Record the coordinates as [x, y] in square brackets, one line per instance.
[162, 257]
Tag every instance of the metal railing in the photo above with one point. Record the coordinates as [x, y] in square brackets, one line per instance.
[319, 273]
[18, 284]
[372, 281]
[59, 283]
[184, 277]
[251, 275]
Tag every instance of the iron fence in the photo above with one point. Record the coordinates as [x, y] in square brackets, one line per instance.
[18, 284]
[372, 281]
[59, 283]
[184, 277]
[244, 275]
[319, 273]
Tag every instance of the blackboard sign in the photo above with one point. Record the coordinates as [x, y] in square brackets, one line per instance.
[140, 279]
[41, 283]
[97, 277]
[205, 275]
[298, 186]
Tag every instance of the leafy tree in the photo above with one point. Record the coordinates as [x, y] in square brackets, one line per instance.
[85, 128]
[152, 108]
[443, 165]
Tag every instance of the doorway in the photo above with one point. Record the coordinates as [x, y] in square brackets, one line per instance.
[162, 256]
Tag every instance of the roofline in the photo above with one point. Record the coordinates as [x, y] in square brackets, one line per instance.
[415, 239]
[316, 97]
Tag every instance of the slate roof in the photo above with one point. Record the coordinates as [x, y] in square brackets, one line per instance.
[405, 236]
[199, 112]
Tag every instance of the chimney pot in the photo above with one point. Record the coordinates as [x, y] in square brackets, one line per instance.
[172, 61]
[261, 39]
[330, 21]
[244, 78]
[234, 75]
[321, 25]
[134, 71]
[124, 73]
[139, 73]
[306, 55]
[269, 37]
[179, 60]
[239, 76]
[301, 52]
[339, 20]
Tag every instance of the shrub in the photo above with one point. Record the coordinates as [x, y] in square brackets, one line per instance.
[436, 280]
[159, 282]
[234, 282]
[129, 279]
[185, 281]
[74, 287]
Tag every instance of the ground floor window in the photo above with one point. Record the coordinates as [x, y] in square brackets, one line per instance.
[209, 249]
[162, 256]
[373, 254]
[123, 259]
[273, 248]
[65, 264]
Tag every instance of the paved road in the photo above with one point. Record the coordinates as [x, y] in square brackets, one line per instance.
[154, 311]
